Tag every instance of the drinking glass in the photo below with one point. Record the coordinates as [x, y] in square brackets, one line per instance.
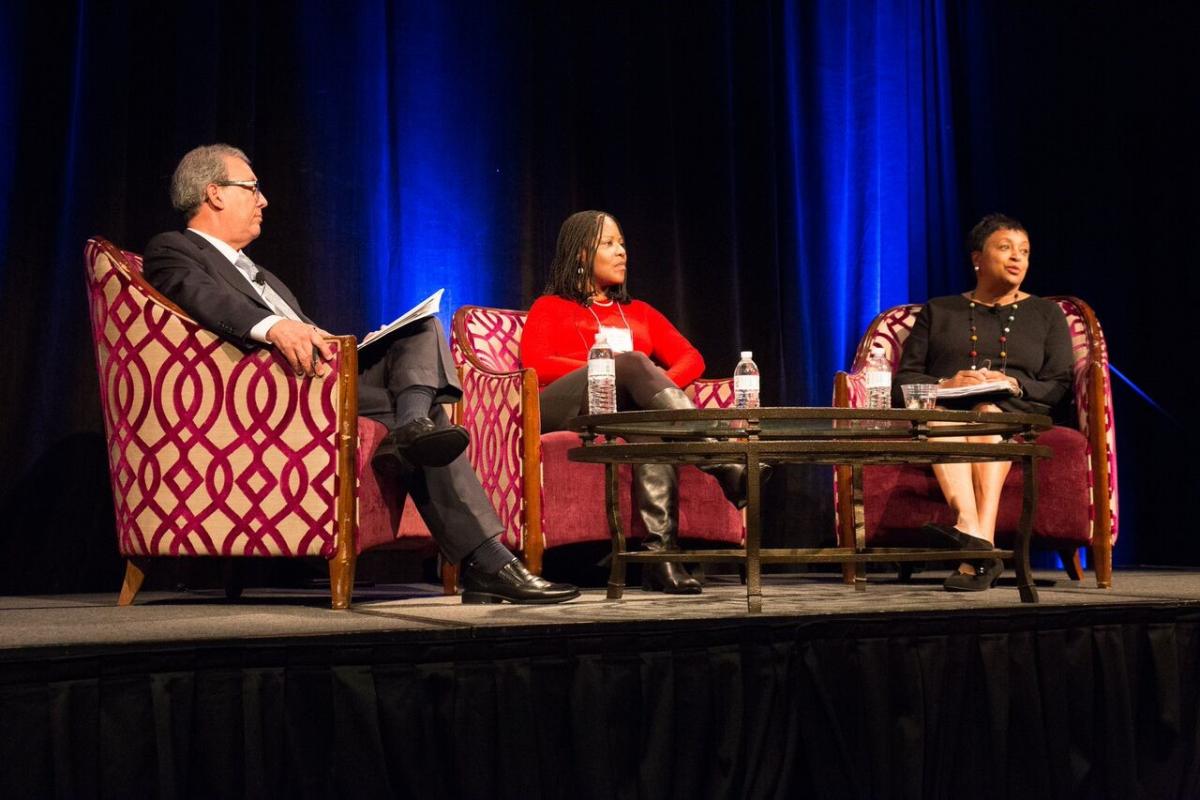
[919, 396]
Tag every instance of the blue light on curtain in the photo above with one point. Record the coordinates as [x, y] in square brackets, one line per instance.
[446, 141]
[411, 112]
[872, 171]
[418, 164]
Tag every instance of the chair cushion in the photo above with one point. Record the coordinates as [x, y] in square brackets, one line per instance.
[386, 514]
[898, 500]
[574, 509]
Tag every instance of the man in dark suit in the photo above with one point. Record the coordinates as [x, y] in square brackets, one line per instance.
[205, 271]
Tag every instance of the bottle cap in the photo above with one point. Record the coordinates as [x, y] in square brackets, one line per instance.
[877, 350]
[747, 354]
[601, 338]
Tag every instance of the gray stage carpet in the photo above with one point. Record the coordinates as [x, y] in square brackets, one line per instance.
[87, 621]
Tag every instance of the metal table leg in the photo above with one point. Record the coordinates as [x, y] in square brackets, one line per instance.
[1025, 533]
[860, 527]
[753, 532]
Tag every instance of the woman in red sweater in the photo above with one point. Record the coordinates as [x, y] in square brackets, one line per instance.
[586, 291]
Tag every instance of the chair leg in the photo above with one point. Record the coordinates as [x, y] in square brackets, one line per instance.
[449, 578]
[1102, 561]
[846, 512]
[341, 581]
[1071, 563]
[135, 573]
[533, 560]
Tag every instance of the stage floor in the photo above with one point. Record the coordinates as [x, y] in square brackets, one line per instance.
[893, 692]
[71, 624]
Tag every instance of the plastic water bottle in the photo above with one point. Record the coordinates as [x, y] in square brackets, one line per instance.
[745, 382]
[602, 378]
[879, 382]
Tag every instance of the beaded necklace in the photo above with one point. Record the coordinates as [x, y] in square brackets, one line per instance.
[1012, 315]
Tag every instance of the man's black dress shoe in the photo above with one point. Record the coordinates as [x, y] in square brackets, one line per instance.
[421, 443]
[956, 539]
[513, 583]
[984, 577]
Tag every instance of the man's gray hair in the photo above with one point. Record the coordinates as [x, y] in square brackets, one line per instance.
[196, 170]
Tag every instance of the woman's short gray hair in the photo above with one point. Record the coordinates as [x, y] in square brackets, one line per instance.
[196, 170]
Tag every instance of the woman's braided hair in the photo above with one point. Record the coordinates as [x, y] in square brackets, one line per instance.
[574, 255]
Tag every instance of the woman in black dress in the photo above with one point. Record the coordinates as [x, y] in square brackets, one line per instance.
[993, 332]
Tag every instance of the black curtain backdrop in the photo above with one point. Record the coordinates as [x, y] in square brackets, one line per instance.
[703, 127]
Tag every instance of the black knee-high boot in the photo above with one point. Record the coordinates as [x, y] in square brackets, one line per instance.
[656, 498]
[731, 477]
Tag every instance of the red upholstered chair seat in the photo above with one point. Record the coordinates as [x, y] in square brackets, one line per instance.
[214, 451]
[544, 499]
[386, 514]
[1077, 487]
[898, 501]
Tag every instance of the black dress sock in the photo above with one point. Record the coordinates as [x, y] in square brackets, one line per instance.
[413, 402]
[490, 556]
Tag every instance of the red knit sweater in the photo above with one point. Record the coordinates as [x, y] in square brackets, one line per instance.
[558, 334]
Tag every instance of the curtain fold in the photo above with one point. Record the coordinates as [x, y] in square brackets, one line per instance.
[1083, 709]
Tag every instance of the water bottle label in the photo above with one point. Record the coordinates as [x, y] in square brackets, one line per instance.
[601, 367]
[745, 383]
[878, 379]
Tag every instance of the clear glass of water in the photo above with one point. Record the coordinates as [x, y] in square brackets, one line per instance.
[919, 396]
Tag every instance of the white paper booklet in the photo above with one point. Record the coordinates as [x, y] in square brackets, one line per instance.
[987, 387]
[426, 308]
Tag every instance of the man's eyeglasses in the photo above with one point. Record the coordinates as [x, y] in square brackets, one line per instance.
[251, 185]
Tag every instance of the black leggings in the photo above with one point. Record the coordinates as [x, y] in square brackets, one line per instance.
[638, 380]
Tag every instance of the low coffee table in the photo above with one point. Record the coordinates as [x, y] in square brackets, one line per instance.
[830, 436]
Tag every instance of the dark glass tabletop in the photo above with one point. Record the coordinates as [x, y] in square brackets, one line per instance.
[788, 423]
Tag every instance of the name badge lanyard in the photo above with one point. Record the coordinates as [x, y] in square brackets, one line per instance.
[628, 332]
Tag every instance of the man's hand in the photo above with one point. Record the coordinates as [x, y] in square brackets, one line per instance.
[306, 352]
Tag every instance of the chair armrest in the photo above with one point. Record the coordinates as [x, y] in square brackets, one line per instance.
[344, 366]
[1093, 401]
[850, 389]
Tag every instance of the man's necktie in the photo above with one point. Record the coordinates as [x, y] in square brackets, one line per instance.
[272, 298]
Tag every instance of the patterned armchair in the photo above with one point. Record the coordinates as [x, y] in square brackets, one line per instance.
[1077, 487]
[543, 499]
[214, 451]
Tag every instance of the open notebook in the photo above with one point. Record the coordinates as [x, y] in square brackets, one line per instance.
[987, 387]
[426, 308]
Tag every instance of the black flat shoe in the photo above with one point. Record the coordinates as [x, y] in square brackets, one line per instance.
[514, 584]
[420, 443]
[669, 577]
[956, 539]
[985, 576]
